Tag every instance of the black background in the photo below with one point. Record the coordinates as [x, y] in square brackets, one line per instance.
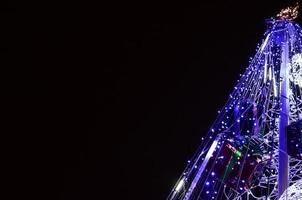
[160, 71]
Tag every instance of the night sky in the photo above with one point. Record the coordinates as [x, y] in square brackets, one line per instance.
[171, 67]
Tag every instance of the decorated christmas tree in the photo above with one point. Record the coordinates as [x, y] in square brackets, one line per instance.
[254, 148]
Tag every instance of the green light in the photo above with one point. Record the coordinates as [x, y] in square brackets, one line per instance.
[238, 154]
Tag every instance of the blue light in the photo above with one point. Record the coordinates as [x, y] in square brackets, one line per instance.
[253, 89]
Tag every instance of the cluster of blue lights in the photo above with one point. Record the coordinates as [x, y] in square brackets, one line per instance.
[237, 157]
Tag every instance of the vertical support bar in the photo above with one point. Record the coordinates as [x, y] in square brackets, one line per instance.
[283, 175]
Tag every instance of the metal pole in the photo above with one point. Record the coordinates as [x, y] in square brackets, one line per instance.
[283, 157]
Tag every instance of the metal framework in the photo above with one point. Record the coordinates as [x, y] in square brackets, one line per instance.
[244, 155]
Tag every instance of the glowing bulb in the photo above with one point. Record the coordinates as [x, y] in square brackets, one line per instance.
[180, 184]
[270, 73]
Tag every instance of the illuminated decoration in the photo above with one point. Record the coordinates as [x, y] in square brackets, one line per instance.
[295, 72]
[293, 192]
[253, 150]
[179, 186]
[201, 168]
[289, 13]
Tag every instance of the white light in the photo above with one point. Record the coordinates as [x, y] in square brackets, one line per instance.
[265, 71]
[270, 73]
[292, 192]
[265, 42]
[275, 86]
[180, 184]
[295, 72]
